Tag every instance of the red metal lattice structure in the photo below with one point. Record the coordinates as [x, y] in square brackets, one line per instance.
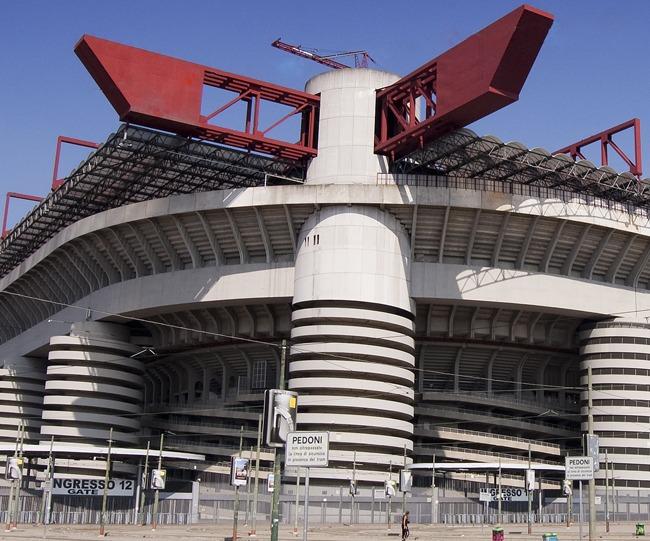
[8, 197]
[606, 141]
[473, 79]
[60, 141]
[165, 93]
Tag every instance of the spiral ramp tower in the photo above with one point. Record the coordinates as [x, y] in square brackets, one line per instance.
[93, 384]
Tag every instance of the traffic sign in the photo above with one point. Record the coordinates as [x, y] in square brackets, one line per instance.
[579, 468]
[307, 449]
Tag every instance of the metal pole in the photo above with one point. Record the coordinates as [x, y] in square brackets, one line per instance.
[305, 520]
[11, 490]
[248, 486]
[145, 479]
[48, 479]
[404, 488]
[295, 519]
[569, 506]
[433, 490]
[235, 514]
[499, 493]
[606, 492]
[390, 498]
[253, 532]
[354, 484]
[592, 481]
[156, 497]
[580, 510]
[106, 481]
[14, 524]
[275, 501]
[530, 495]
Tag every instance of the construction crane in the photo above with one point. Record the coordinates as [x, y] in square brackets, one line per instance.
[361, 58]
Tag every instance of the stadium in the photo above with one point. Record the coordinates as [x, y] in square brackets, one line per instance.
[442, 293]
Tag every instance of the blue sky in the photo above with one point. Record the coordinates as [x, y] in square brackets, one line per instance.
[593, 71]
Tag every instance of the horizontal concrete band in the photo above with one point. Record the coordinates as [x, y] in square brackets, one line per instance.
[86, 433]
[369, 421]
[94, 373]
[92, 402]
[343, 349]
[340, 384]
[72, 387]
[354, 368]
[366, 334]
[80, 416]
[110, 359]
[359, 316]
[388, 407]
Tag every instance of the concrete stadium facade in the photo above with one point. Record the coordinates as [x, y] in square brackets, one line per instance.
[426, 317]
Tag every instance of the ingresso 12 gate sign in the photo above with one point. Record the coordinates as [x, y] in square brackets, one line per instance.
[91, 487]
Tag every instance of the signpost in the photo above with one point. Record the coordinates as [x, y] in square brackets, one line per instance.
[307, 449]
[579, 468]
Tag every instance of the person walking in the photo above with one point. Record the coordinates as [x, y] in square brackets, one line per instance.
[405, 526]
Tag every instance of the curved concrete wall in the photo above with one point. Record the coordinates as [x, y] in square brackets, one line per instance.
[352, 353]
[618, 353]
[92, 385]
[22, 386]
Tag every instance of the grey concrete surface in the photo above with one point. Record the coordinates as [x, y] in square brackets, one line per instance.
[619, 531]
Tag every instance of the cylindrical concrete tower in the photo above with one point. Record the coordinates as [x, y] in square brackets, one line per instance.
[346, 130]
[22, 386]
[92, 385]
[618, 353]
[352, 354]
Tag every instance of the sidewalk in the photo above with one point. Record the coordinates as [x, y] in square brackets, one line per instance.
[619, 532]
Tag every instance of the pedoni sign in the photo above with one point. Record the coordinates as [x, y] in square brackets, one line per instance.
[579, 468]
[507, 495]
[307, 449]
[92, 487]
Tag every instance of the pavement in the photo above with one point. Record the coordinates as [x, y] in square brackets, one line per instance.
[619, 532]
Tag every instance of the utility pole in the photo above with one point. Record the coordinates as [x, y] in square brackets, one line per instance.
[295, 519]
[14, 524]
[235, 514]
[404, 487]
[275, 501]
[102, 523]
[606, 492]
[11, 489]
[433, 489]
[390, 485]
[253, 532]
[248, 485]
[48, 482]
[530, 494]
[592, 481]
[156, 497]
[499, 498]
[144, 481]
[354, 486]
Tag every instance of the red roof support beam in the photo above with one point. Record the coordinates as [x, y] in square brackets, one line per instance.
[60, 140]
[165, 93]
[8, 197]
[605, 140]
[469, 81]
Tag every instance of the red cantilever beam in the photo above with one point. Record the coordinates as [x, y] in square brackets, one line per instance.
[5, 215]
[165, 93]
[473, 79]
